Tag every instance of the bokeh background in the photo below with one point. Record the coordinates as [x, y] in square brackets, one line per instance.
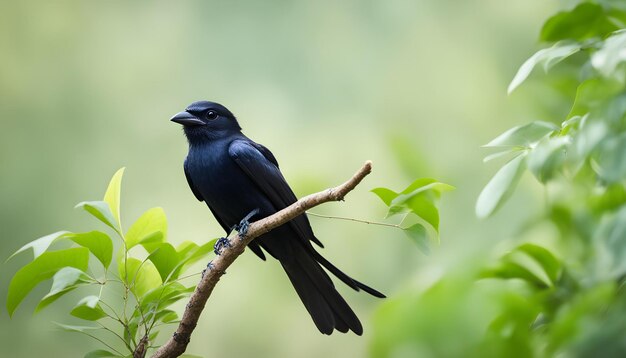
[417, 86]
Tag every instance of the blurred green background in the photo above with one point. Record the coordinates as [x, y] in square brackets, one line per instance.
[416, 86]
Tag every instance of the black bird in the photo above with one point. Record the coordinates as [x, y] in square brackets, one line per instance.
[239, 179]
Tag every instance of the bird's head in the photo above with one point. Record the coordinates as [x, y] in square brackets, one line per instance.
[204, 120]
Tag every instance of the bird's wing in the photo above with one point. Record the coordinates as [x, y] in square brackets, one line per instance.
[266, 153]
[261, 166]
[253, 246]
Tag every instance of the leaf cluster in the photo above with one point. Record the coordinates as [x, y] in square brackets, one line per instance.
[581, 161]
[417, 205]
[558, 288]
[126, 304]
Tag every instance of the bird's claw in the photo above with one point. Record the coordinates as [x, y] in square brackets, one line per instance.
[209, 267]
[244, 224]
[242, 229]
[220, 244]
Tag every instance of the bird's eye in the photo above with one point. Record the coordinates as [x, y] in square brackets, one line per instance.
[211, 115]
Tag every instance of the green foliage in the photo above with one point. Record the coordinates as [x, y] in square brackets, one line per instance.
[148, 230]
[532, 263]
[43, 268]
[585, 21]
[548, 57]
[98, 243]
[148, 278]
[65, 280]
[417, 202]
[501, 186]
[583, 161]
[548, 296]
[583, 158]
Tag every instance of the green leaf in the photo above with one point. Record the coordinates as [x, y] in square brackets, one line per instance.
[423, 184]
[112, 195]
[142, 275]
[548, 56]
[191, 253]
[165, 259]
[610, 235]
[504, 153]
[410, 199]
[611, 55]
[396, 210]
[73, 328]
[417, 233]
[100, 353]
[585, 21]
[549, 263]
[423, 206]
[149, 230]
[88, 309]
[547, 157]
[571, 123]
[593, 93]
[591, 134]
[419, 198]
[166, 316]
[186, 248]
[40, 245]
[523, 136]
[531, 263]
[98, 243]
[64, 281]
[609, 199]
[610, 162]
[100, 210]
[500, 187]
[42, 268]
[386, 195]
[159, 296]
[153, 336]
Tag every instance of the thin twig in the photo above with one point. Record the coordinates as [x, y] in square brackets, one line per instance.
[103, 342]
[138, 307]
[115, 316]
[177, 345]
[187, 276]
[355, 220]
[117, 335]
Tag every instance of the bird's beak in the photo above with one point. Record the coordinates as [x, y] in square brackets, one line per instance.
[187, 119]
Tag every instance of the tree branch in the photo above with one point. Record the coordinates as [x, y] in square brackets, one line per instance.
[176, 345]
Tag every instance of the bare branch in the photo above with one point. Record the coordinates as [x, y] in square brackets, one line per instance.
[176, 345]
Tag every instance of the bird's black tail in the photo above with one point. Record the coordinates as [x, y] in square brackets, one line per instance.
[305, 268]
[316, 290]
[343, 277]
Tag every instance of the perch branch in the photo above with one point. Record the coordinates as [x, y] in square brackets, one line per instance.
[177, 344]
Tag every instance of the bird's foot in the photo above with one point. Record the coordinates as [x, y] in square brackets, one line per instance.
[209, 267]
[220, 244]
[244, 224]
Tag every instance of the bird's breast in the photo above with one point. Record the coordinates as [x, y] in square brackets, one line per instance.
[224, 186]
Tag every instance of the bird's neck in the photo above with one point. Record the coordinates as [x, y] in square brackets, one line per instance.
[202, 139]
